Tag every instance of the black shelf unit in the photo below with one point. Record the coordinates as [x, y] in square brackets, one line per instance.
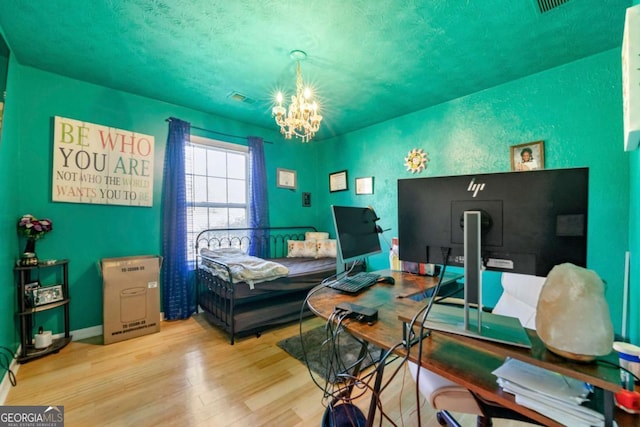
[25, 311]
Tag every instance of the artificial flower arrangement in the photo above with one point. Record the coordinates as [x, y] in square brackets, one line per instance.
[33, 227]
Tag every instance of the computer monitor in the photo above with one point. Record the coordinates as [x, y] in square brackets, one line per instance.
[356, 233]
[520, 222]
[530, 221]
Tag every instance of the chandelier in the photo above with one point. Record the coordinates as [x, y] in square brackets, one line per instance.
[301, 119]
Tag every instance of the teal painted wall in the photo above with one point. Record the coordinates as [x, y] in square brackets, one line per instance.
[8, 239]
[575, 109]
[86, 233]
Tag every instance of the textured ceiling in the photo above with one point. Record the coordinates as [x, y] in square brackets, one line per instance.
[369, 60]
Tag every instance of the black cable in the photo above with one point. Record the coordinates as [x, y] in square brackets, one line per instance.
[7, 365]
[446, 252]
[615, 365]
[383, 360]
[388, 353]
[302, 346]
[331, 347]
[330, 321]
[345, 383]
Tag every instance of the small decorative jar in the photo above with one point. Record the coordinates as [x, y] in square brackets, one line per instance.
[28, 259]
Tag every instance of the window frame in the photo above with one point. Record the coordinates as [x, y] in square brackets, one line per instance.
[209, 143]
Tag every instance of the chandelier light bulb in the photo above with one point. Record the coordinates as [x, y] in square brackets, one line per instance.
[301, 118]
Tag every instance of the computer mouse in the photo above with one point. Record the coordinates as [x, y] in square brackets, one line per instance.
[387, 279]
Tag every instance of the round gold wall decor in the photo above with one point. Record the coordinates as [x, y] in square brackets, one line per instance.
[416, 160]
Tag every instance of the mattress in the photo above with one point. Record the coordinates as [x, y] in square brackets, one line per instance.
[304, 274]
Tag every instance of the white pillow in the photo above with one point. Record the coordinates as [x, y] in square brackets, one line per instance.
[326, 248]
[316, 235]
[301, 249]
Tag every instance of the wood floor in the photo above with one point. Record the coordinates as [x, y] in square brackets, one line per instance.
[189, 375]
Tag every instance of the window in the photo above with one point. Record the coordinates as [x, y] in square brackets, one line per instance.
[217, 186]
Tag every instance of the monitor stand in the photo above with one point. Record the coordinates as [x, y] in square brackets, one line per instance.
[470, 320]
[472, 269]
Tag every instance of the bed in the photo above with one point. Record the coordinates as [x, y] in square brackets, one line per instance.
[242, 302]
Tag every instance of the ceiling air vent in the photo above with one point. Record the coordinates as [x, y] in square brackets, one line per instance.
[236, 96]
[545, 6]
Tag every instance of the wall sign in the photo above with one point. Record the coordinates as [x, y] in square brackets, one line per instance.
[101, 165]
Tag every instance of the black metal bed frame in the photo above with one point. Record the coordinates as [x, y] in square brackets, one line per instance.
[214, 294]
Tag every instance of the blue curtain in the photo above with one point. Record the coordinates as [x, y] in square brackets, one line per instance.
[258, 202]
[178, 300]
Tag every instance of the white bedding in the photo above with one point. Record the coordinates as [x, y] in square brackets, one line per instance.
[244, 268]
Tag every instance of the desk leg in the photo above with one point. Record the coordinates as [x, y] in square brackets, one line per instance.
[356, 369]
[376, 391]
[609, 408]
[409, 338]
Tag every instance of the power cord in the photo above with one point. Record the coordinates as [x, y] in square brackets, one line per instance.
[617, 366]
[446, 253]
[7, 364]
[331, 340]
[345, 387]
[342, 390]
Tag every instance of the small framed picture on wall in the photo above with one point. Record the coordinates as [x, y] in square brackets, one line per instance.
[338, 181]
[287, 178]
[527, 157]
[364, 185]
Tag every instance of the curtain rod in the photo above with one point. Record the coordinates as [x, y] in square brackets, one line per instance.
[220, 133]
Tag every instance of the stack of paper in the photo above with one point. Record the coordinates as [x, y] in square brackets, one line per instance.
[549, 393]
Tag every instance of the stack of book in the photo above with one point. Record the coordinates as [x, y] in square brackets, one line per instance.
[553, 395]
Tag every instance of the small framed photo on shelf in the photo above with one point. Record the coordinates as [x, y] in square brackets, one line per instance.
[338, 181]
[364, 185]
[29, 293]
[527, 157]
[287, 178]
[47, 294]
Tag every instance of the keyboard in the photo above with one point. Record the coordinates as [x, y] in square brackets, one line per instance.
[356, 283]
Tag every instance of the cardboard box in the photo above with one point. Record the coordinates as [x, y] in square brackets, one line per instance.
[131, 290]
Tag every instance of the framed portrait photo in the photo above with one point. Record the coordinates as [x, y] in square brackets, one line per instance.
[527, 157]
[364, 185]
[287, 178]
[338, 181]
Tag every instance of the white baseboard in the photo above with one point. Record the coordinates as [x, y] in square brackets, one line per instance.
[80, 334]
[6, 385]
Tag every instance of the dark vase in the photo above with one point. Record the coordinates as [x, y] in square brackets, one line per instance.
[29, 257]
[31, 245]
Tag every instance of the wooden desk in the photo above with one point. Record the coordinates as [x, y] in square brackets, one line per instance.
[466, 361]
[390, 300]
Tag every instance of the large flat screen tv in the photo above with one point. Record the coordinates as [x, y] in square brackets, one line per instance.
[530, 221]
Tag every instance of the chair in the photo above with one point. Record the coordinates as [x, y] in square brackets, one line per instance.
[519, 299]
